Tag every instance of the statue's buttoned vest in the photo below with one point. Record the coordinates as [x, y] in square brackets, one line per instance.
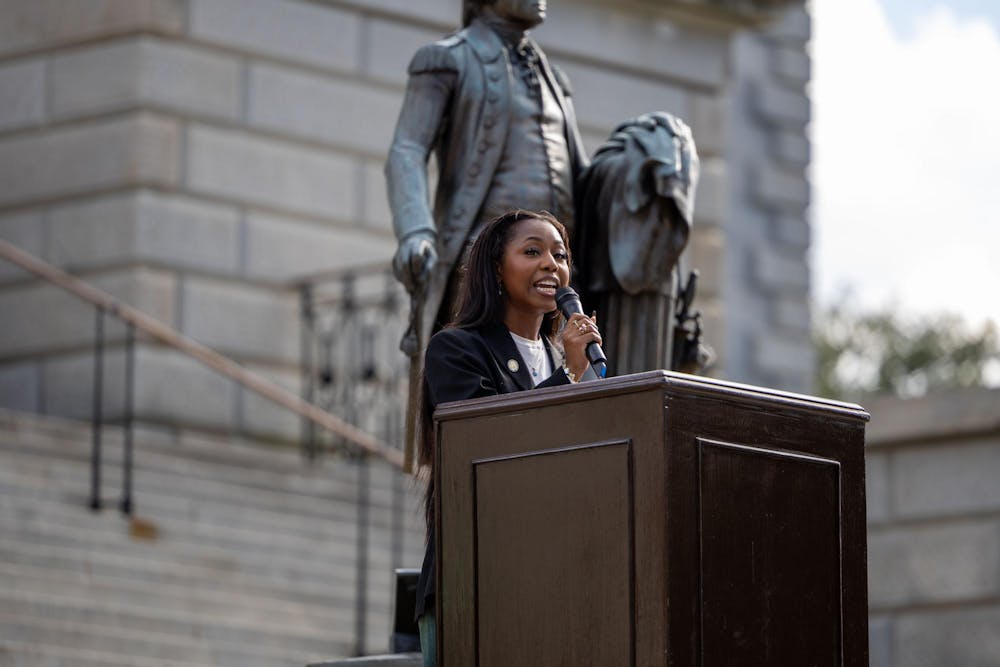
[473, 138]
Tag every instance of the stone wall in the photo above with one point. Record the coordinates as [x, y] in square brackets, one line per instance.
[193, 157]
[766, 292]
[933, 468]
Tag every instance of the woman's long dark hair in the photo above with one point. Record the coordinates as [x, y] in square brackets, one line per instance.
[480, 301]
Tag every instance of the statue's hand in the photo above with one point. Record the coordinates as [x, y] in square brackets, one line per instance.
[415, 257]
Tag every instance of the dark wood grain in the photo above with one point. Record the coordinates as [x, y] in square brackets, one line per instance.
[655, 519]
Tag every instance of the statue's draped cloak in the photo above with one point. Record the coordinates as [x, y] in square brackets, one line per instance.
[634, 213]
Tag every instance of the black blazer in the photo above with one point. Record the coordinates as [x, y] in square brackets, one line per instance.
[470, 363]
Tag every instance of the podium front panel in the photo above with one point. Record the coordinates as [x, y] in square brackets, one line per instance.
[553, 556]
[542, 537]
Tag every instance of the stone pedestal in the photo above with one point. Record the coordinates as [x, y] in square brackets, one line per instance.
[393, 660]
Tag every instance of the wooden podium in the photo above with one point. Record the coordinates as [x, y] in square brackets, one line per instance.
[651, 520]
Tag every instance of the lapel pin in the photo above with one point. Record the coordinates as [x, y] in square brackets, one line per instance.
[513, 365]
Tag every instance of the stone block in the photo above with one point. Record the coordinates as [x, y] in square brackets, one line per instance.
[146, 226]
[443, 12]
[711, 199]
[784, 354]
[780, 106]
[947, 478]
[375, 212]
[137, 149]
[244, 167]
[706, 253]
[966, 637]
[944, 417]
[791, 312]
[169, 387]
[20, 383]
[877, 487]
[389, 46]
[604, 98]
[22, 90]
[791, 230]
[777, 271]
[187, 233]
[175, 388]
[880, 641]
[792, 64]
[342, 112]
[791, 147]
[26, 230]
[46, 23]
[708, 122]
[794, 25]
[283, 249]
[633, 40]
[40, 318]
[946, 563]
[145, 70]
[262, 417]
[242, 321]
[780, 188]
[312, 33]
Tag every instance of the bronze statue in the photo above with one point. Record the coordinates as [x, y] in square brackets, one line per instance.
[500, 122]
[499, 119]
[636, 208]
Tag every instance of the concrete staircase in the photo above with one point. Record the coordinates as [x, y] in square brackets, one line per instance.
[240, 554]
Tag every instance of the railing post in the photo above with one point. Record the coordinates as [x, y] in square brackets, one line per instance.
[126, 501]
[97, 416]
[361, 579]
[308, 370]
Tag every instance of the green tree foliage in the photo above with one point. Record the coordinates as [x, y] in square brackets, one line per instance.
[885, 352]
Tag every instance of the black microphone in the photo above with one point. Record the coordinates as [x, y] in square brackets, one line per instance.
[568, 302]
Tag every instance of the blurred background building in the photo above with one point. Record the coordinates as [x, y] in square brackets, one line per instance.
[218, 165]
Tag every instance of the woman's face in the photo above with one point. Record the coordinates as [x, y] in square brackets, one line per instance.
[535, 263]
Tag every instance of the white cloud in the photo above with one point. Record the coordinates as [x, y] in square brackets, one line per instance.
[907, 160]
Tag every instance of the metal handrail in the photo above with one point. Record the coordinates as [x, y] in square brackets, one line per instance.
[210, 358]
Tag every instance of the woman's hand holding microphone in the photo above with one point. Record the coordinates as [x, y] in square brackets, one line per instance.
[579, 332]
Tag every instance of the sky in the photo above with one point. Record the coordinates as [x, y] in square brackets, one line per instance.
[906, 163]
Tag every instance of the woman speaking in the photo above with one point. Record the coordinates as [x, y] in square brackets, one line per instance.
[505, 337]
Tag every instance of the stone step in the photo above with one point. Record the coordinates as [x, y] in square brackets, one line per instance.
[75, 437]
[296, 490]
[121, 641]
[317, 614]
[111, 613]
[177, 537]
[296, 570]
[253, 560]
[168, 500]
[311, 576]
[386, 660]
[153, 569]
[171, 502]
[17, 653]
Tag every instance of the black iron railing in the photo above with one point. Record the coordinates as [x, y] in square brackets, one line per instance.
[125, 503]
[352, 321]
